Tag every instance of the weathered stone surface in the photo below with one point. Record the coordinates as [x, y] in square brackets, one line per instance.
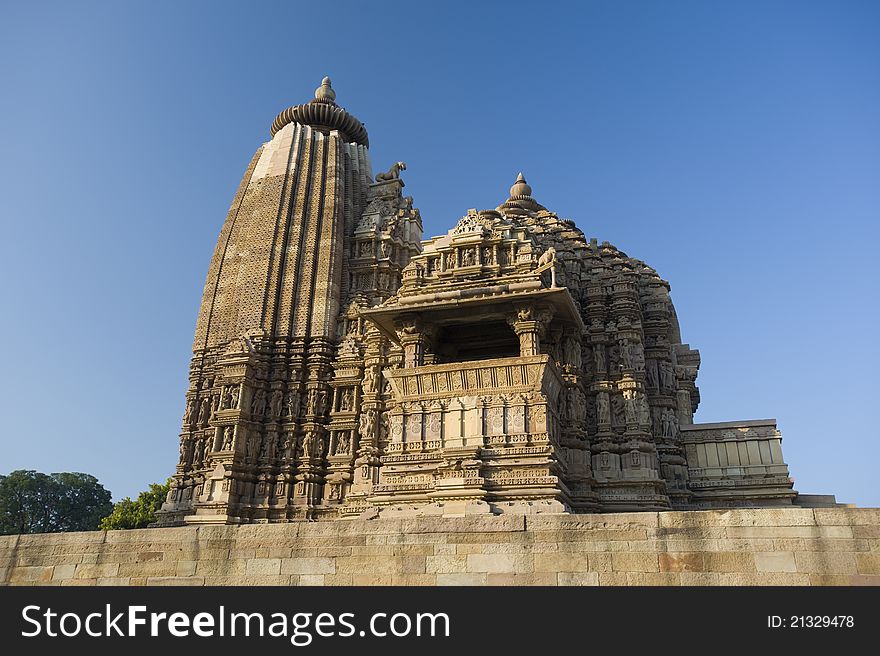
[544, 550]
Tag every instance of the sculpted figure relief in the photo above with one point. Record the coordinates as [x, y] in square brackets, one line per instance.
[625, 353]
[343, 444]
[345, 401]
[599, 356]
[189, 414]
[258, 405]
[547, 257]
[393, 173]
[291, 403]
[618, 412]
[603, 410]
[667, 375]
[275, 403]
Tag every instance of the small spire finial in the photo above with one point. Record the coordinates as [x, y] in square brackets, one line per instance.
[325, 92]
[520, 188]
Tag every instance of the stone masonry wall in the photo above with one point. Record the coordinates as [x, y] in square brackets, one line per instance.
[791, 546]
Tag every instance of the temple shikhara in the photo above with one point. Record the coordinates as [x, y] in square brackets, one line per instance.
[343, 366]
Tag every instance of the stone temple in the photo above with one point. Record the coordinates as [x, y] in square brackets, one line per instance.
[344, 367]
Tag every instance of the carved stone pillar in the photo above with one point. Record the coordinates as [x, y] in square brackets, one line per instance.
[530, 325]
[414, 338]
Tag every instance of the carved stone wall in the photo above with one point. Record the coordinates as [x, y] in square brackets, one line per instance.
[790, 546]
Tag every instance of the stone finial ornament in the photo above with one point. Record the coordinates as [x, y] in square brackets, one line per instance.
[520, 188]
[325, 93]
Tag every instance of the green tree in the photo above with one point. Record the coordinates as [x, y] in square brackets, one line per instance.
[138, 513]
[33, 502]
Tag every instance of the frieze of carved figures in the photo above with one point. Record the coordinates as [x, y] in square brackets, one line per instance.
[638, 357]
[576, 406]
[349, 347]
[630, 407]
[343, 443]
[449, 260]
[268, 450]
[384, 426]
[688, 374]
[346, 399]
[651, 374]
[625, 350]
[614, 363]
[599, 356]
[371, 380]
[667, 375]
[312, 445]
[467, 257]
[184, 451]
[188, 416]
[200, 451]
[572, 352]
[644, 410]
[226, 435]
[258, 404]
[603, 409]
[229, 399]
[669, 423]
[275, 403]
[368, 426]
[384, 280]
[291, 403]
[635, 458]
[385, 248]
[312, 402]
[487, 256]
[204, 412]
[618, 411]
[289, 443]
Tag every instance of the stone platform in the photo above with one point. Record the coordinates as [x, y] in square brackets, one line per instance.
[791, 546]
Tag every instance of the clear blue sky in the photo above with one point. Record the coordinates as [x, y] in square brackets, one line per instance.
[734, 146]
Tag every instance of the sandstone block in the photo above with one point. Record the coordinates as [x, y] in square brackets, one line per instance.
[681, 562]
[535, 578]
[826, 562]
[635, 562]
[868, 563]
[60, 572]
[445, 564]
[24, 575]
[84, 571]
[577, 578]
[462, 579]
[728, 561]
[775, 561]
[263, 567]
[491, 563]
[560, 562]
[308, 566]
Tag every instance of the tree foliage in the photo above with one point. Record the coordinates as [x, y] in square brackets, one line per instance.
[138, 513]
[33, 502]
